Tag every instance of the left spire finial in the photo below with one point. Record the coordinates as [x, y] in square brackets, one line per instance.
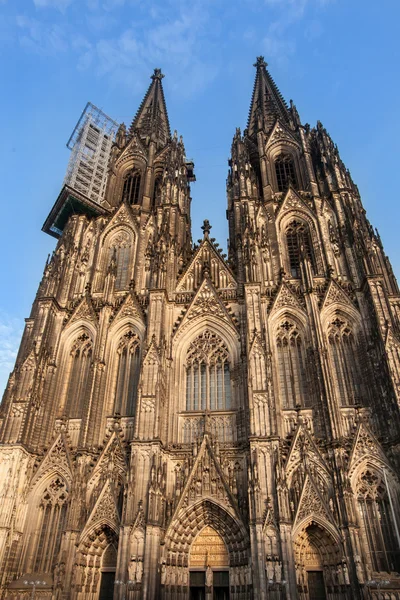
[260, 62]
[157, 74]
[206, 227]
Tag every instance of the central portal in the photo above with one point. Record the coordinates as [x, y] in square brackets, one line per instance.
[209, 567]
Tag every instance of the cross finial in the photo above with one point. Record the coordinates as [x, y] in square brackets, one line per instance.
[206, 227]
[260, 62]
[157, 74]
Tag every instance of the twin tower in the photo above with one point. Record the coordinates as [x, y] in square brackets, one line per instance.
[185, 425]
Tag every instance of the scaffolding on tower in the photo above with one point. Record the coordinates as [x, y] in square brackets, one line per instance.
[90, 144]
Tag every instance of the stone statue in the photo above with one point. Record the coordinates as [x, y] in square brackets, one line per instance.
[209, 576]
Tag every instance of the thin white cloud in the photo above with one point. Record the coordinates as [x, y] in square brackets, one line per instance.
[40, 37]
[61, 5]
[178, 44]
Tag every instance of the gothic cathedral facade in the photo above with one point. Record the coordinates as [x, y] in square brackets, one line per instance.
[181, 424]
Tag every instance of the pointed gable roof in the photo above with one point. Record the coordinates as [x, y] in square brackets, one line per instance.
[122, 216]
[311, 504]
[152, 118]
[267, 101]
[56, 459]
[84, 312]
[105, 511]
[207, 480]
[130, 307]
[206, 248]
[285, 298]
[335, 294]
[365, 446]
[303, 446]
[133, 148]
[112, 457]
[293, 200]
[206, 303]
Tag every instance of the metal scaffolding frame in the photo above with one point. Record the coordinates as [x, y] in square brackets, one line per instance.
[90, 144]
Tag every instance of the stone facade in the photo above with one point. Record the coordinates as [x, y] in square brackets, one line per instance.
[180, 424]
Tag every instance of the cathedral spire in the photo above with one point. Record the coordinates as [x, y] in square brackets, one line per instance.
[267, 103]
[151, 120]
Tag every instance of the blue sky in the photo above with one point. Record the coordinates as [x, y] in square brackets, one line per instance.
[337, 59]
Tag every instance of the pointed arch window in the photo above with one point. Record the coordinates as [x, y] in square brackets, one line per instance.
[79, 376]
[377, 519]
[119, 254]
[285, 172]
[208, 380]
[344, 354]
[128, 353]
[52, 519]
[157, 191]
[298, 243]
[291, 366]
[131, 189]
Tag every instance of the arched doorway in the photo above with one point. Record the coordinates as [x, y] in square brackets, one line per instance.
[208, 566]
[176, 560]
[97, 559]
[108, 566]
[321, 569]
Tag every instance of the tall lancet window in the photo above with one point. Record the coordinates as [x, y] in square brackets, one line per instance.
[291, 365]
[157, 191]
[51, 521]
[79, 376]
[127, 374]
[298, 242]
[120, 254]
[285, 172]
[344, 353]
[208, 381]
[377, 520]
[131, 189]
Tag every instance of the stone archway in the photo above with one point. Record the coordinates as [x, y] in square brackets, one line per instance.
[184, 531]
[321, 569]
[96, 563]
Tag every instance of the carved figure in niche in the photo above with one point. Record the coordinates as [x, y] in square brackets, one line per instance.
[132, 570]
[346, 574]
[278, 571]
[163, 574]
[209, 576]
[270, 569]
[139, 572]
[247, 575]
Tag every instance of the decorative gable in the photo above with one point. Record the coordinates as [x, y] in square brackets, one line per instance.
[57, 459]
[30, 363]
[152, 355]
[335, 294]
[281, 134]
[207, 258]
[105, 511]
[311, 504]
[132, 149]
[302, 447]
[84, 312]
[207, 480]
[112, 460]
[365, 446]
[130, 308]
[286, 299]
[206, 303]
[292, 201]
[123, 216]
[257, 346]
